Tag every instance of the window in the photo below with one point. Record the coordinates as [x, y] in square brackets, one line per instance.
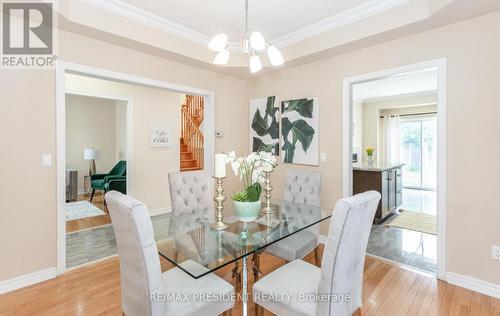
[418, 150]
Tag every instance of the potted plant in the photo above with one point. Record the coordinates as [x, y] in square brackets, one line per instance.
[250, 170]
[369, 153]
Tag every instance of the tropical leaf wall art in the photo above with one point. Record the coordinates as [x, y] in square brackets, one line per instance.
[264, 121]
[299, 131]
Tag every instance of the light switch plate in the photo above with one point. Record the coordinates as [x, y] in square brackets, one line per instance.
[46, 160]
[495, 252]
[322, 156]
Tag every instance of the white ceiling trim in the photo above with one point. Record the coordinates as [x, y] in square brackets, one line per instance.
[402, 96]
[149, 19]
[342, 19]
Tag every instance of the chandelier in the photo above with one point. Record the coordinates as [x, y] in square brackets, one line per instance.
[251, 44]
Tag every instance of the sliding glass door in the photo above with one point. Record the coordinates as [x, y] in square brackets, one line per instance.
[418, 150]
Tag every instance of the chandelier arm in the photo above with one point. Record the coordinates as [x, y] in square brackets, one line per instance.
[246, 18]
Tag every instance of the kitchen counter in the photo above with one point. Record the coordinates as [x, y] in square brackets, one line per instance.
[376, 167]
[387, 179]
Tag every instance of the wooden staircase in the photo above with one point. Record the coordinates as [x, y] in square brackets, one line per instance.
[192, 141]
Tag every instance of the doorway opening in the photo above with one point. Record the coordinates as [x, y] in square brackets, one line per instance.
[192, 140]
[396, 147]
[96, 157]
[140, 138]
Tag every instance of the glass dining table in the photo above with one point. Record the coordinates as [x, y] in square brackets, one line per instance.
[188, 238]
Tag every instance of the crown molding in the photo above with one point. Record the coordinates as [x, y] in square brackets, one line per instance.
[400, 96]
[136, 14]
[144, 17]
[344, 18]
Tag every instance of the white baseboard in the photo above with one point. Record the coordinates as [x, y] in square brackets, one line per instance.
[466, 282]
[473, 284]
[160, 211]
[27, 280]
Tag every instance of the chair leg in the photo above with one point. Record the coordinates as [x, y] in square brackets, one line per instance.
[256, 266]
[92, 195]
[236, 274]
[316, 257]
[259, 310]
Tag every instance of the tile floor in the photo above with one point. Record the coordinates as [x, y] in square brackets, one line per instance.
[94, 244]
[406, 246]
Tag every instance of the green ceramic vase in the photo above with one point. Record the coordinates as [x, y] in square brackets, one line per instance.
[247, 211]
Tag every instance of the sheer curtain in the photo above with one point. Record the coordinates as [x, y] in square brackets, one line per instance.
[391, 138]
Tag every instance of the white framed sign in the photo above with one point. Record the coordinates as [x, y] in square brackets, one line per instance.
[160, 137]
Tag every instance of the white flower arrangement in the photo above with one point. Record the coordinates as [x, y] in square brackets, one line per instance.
[251, 170]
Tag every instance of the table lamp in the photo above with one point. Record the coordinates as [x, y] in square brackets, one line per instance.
[90, 154]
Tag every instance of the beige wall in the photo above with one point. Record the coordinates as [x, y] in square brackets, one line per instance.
[357, 119]
[152, 107]
[472, 49]
[90, 123]
[28, 191]
[372, 127]
[121, 130]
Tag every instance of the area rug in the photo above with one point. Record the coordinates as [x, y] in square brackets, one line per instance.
[81, 209]
[420, 222]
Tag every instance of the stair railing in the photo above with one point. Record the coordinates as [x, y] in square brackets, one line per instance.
[195, 106]
[192, 137]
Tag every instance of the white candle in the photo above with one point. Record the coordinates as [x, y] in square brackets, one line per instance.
[220, 166]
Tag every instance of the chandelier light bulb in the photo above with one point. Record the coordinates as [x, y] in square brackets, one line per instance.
[255, 64]
[257, 41]
[251, 42]
[275, 56]
[218, 43]
[222, 57]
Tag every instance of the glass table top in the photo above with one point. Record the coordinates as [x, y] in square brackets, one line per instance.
[192, 245]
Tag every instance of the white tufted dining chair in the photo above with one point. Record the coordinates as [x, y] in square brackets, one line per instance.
[302, 187]
[341, 271]
[190, 191]
[140, 272]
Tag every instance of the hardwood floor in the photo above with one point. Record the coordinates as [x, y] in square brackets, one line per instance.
[387, 290]
[90, 222]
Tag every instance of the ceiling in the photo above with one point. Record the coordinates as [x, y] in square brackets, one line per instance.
[416, 82]
[304, 30]
[274, 18]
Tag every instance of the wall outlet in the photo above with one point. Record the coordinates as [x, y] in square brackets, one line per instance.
[495, 252]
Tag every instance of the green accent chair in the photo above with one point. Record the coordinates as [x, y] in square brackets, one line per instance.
[115, 180]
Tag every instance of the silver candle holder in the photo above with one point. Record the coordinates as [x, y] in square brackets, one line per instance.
[219, 200]
[267, 209]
